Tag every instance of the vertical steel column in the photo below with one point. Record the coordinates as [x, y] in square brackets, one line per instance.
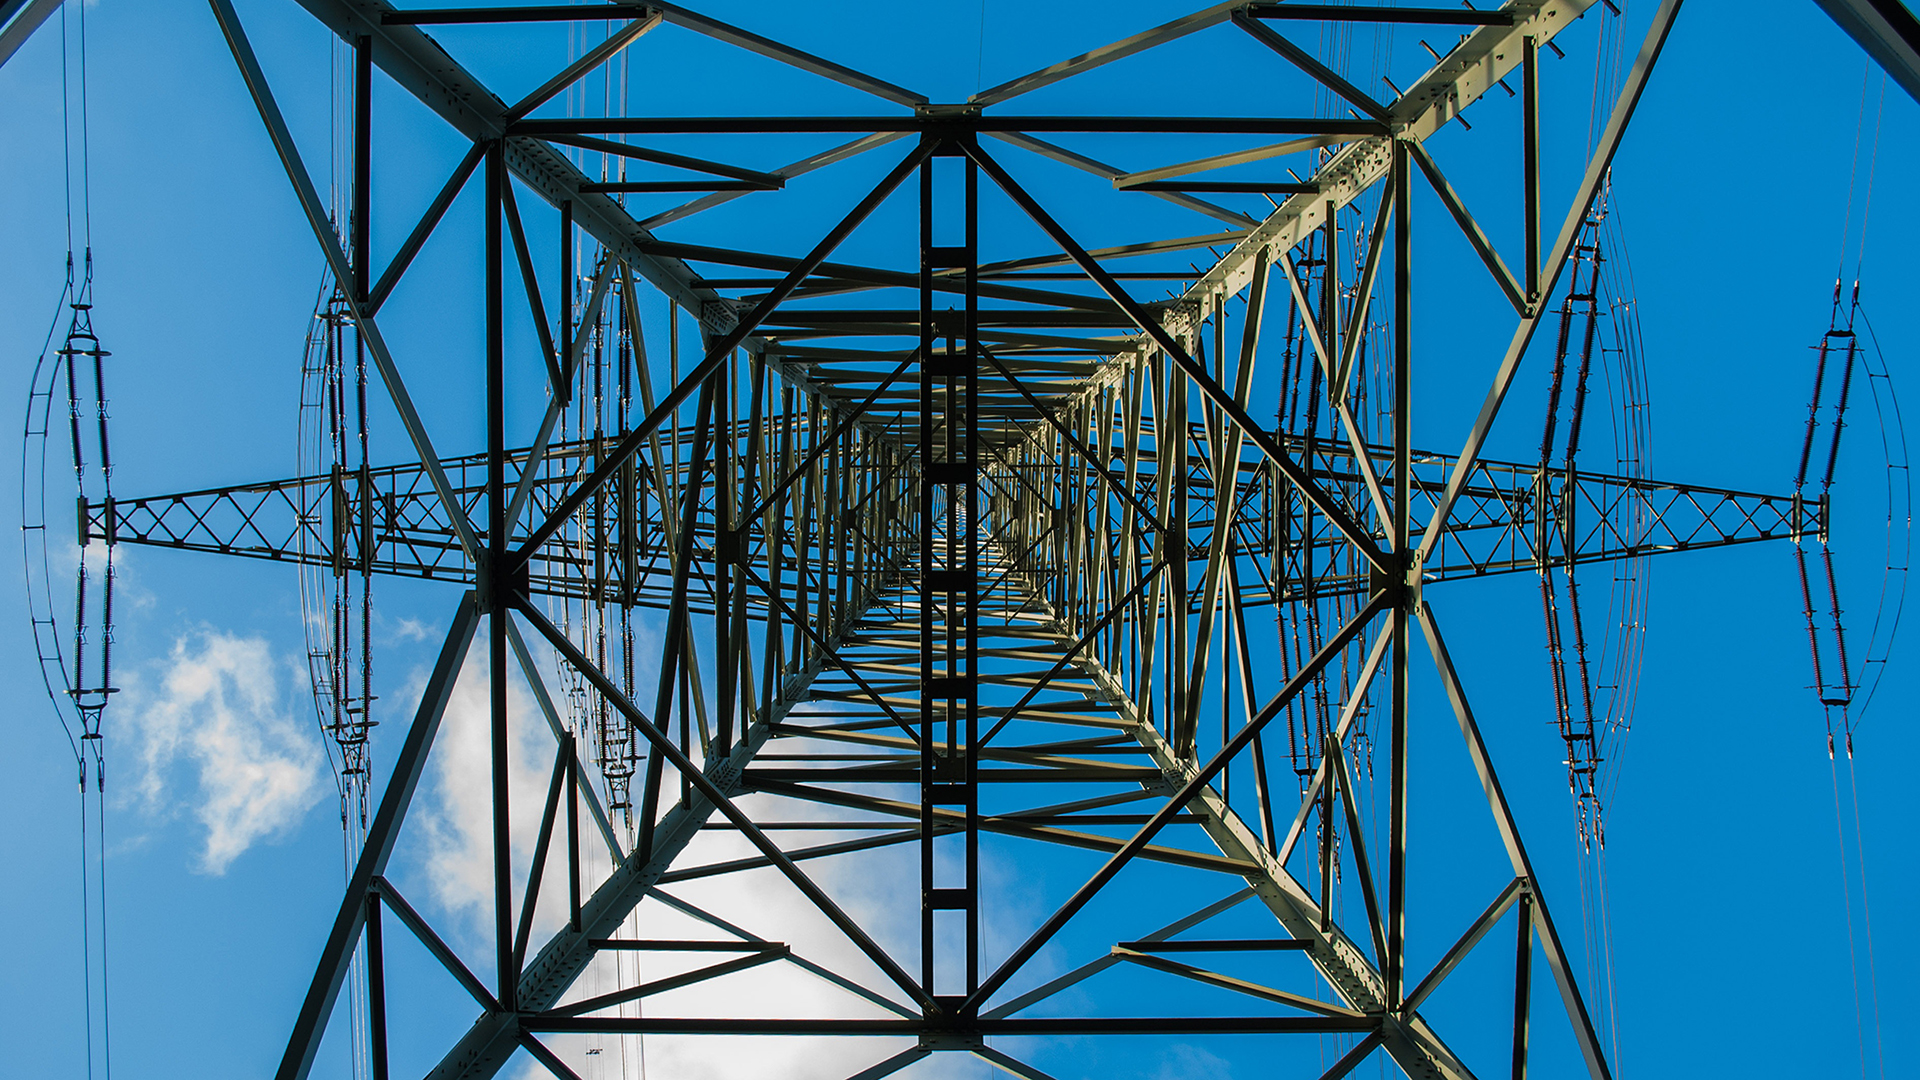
[1327, 748]
[1330, 305]
[360, 225]
[1130, 521]
[927, 487]
[832, 527]
[1394, 963]
[802, 514]
[779, 513]
[950, 566]
[1328, 321]
[376, 990]
[496, 585]
[1522, 987]
[565, 388]
[1530, 159]
[1180, 719]
[574, 792]
[755, 485]
[360, 241]
[972, 334]
[724, 554]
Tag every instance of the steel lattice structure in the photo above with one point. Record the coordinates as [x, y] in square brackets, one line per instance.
[966, 569]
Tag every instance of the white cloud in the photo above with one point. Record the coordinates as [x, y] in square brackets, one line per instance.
[218, 711]
[456, 829]
[458, 825]
[879, 889]
[1184, 1061]
[411, 629]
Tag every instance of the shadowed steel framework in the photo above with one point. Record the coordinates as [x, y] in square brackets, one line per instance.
[972, 563]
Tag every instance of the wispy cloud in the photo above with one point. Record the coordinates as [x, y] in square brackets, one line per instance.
[213, 720]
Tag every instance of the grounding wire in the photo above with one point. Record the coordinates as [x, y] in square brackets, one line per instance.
[39, 586]
[1846, 907]
[1606, 952]
[1873, 163]
[106, 1013]
[1866, 916]
[66, 128]
[980, 58]
[1901, 528]
[1853, 173]
[1627, 336]
[86, 925]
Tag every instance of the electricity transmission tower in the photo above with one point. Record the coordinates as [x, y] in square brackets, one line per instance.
[966, 555]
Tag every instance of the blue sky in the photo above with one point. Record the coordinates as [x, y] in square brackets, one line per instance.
[1730, 940]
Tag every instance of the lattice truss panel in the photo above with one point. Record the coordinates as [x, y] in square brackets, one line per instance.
[1509, 517]
[952, 558]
